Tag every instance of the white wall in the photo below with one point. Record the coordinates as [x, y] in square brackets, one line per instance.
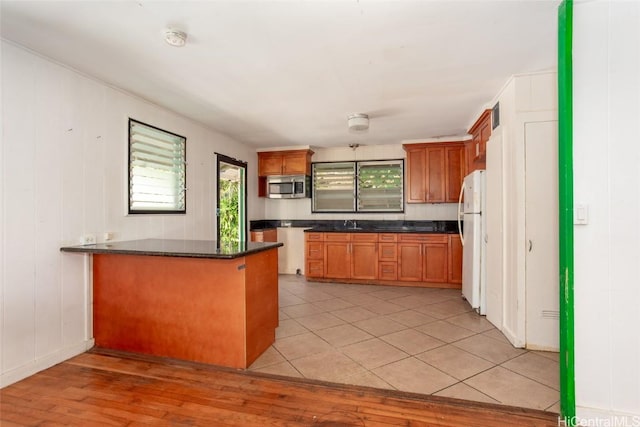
[524, 98]
[301, 208]
[606, 81]
[64, 174]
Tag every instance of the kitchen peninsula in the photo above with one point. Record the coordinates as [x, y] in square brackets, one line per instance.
[196, 300]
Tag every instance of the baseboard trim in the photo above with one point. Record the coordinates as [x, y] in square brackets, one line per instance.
[40, 364]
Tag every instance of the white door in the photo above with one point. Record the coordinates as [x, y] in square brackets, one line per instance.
[494, 289]
[541, 217]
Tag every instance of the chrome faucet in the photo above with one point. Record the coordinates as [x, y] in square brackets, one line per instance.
[353, 222]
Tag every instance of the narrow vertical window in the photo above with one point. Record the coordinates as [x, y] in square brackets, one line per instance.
[157, 170]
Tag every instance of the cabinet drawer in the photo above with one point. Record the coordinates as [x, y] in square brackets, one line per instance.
[364, 237]
[314, 268]
[387, 237]
[337, 237]
[387, 252]
[315, 250]
[314, 237]
[388, 271]
[268, 235]
[427, 238]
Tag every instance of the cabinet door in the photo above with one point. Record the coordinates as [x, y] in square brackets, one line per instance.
[364, 260]
[455, 259]
[337, 260]
[435, 259]
[416, 169]
[435, 178]
[410, 262]
[295, 164]
[455, 167]
[269, 164]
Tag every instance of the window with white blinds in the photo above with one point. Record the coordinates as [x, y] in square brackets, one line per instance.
[371, 186]
[157, 170]
[334, 187]
[380, 186]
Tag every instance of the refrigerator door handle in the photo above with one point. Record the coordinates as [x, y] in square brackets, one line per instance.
[460, 213]
[530, 245]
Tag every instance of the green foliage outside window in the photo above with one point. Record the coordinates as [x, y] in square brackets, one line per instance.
[229, 209]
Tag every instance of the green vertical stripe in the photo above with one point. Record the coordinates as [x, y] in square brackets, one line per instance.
[565, 167]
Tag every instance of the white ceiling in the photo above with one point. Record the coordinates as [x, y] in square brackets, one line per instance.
[284, 73]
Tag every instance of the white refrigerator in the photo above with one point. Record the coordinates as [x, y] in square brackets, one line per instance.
[472, 212]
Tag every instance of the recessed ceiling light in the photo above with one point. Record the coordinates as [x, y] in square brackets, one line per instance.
[175, 38]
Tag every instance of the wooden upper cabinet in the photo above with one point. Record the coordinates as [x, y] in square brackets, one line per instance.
[480, 133]
[416, 170]
[455, 167]
[295, 162]
[269, 164]
[436, 175]
[434, 172]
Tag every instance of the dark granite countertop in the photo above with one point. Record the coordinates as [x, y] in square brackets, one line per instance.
[358, 229]
[176, 248]
[362, 226]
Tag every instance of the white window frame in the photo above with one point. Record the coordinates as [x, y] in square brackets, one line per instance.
[157, 176]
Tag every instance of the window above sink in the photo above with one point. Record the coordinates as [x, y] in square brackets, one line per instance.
[362, 186]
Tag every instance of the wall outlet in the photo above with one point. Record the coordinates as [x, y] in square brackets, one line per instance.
[88, 239]
[108, 235]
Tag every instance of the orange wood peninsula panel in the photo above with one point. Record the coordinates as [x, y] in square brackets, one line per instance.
[219, 311]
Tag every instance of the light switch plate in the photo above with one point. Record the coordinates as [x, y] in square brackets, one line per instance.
[581, 214]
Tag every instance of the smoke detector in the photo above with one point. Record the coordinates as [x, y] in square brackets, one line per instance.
[358, 122]
[175, 38]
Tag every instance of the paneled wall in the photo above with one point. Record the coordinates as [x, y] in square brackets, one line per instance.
[606, 106]
[64, 174]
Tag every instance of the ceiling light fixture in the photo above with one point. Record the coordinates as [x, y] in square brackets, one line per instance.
[358, 122]
[175, 38]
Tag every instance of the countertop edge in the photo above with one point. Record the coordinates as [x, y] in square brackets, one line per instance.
[92, 249]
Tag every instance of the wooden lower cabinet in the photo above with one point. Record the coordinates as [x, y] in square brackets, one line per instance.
[455, 259]
[267, 235]
[435, 262]
[411, 260]
[337, 260]
[364, 260]
[314, 255]
[388, 270]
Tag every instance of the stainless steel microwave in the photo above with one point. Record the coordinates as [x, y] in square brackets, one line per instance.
[288, 186]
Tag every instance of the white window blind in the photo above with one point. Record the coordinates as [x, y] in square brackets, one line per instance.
[334, 187]
[380, 186]
[157, 166]
[372, 186]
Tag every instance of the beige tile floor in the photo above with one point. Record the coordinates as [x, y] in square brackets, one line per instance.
[417, 340]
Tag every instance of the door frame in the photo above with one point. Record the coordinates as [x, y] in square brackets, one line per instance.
[565, 204]
[221, 158]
